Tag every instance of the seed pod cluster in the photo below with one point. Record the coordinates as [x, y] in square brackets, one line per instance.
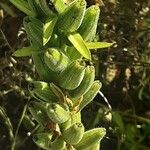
[59, 39]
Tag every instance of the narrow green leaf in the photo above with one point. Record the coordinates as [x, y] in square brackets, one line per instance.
[48, 29]
[26, 51]
[79, 44]
[59, 5]
[97, 45]
[23, 6]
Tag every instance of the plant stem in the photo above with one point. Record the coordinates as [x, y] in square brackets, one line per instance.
[4, 37]
[138, 118]
[7, 123]
[118, 142]
[19, 124]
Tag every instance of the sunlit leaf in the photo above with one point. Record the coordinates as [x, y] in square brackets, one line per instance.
[26, 51]
[79, 44]
[23, 6]
[48, 30]
[97, 45]
[59, 5]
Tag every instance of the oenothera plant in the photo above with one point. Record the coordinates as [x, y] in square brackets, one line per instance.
[60, 42]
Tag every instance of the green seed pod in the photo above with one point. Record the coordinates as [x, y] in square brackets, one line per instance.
[44, 7]
[72, 76]
[58, 144]
[72, 16]
[59, 5]
[41, 90]
[90, 94]
[43, 140]
[74, 133]
[90, 138]
[58, 92]
[65, 125]
[38, 111]
[95, 146]
[89, 23]
[56, 60]
[86, 83]
[42, 69]
[58, 113]
[76, 118]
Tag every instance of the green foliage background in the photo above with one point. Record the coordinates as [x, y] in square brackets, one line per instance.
[123, 69]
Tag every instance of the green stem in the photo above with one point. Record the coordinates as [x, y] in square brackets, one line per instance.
[19, 124]
[135, 117]
[4, 37]
[118, 143]
[7, 123]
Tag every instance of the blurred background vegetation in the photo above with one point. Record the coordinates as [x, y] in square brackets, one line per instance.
[123, 107]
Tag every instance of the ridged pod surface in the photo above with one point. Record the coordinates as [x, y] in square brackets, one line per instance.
[89, 23]
[72, 16]
[58, 144]
[76, 118]
[72, 76]
[41, 90]
[86, 83]
[57, 113]
[43, 140]
[56, 60]
[90, 94]
[74, 133]
[42, 69]
[90, 138]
